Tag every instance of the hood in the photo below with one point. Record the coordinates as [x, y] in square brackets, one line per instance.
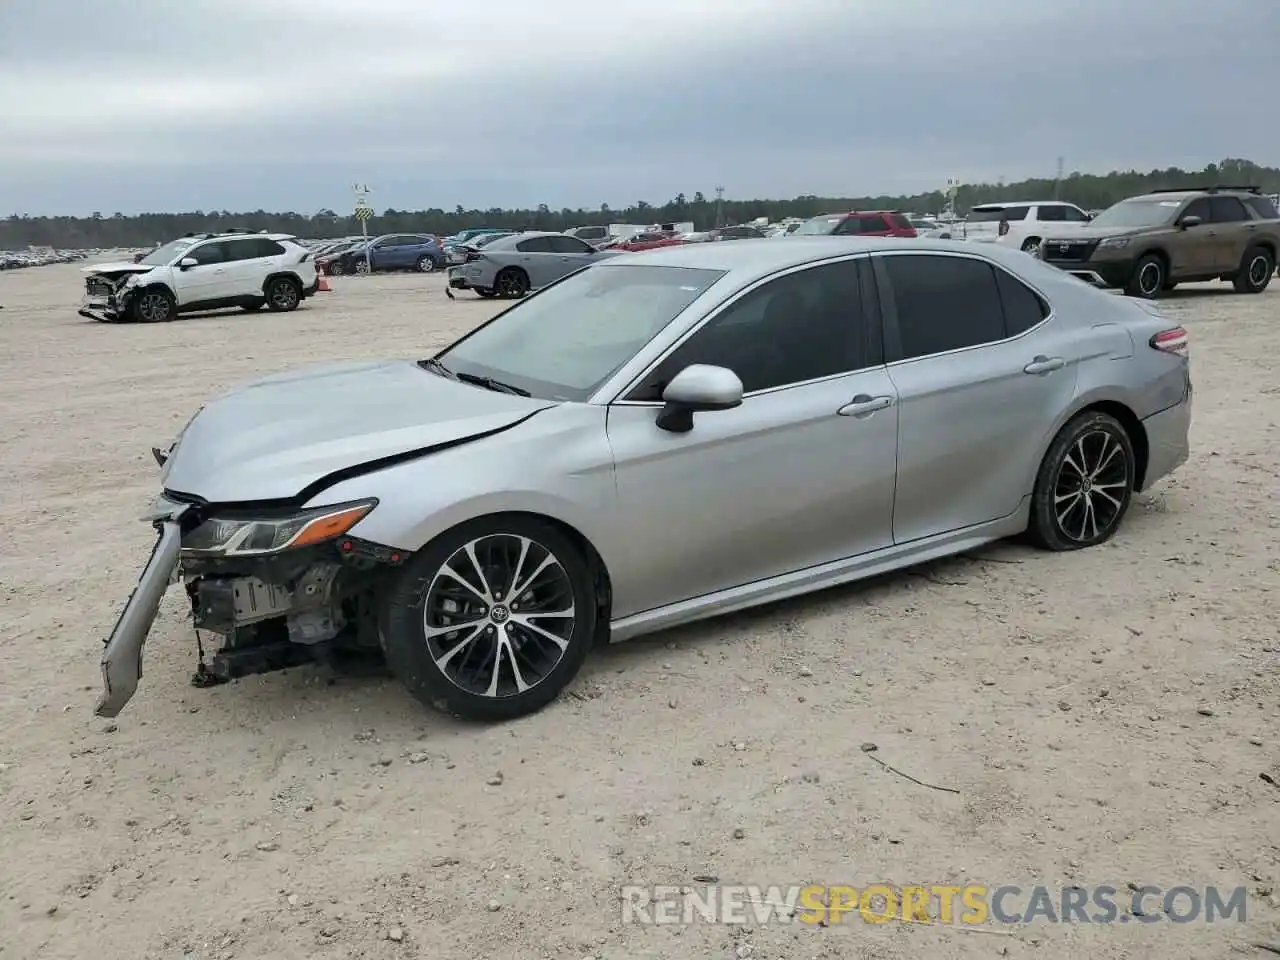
[1087, 231]
[274, 437]
[117, 268]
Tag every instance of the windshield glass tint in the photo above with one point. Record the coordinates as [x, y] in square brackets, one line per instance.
[165, 255]
[1137, 213]
[818, 226]
[565, 341]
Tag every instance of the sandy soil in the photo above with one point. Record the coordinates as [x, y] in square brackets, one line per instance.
[1105, 716]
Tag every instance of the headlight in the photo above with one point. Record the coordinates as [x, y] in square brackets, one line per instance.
[250, 535]
[1115, 243]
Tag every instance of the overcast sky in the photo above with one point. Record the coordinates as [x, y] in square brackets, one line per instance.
[137, 105]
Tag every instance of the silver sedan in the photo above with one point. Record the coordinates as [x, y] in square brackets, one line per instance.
[512, 266]
[662, 437]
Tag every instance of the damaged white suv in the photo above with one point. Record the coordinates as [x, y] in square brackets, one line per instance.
[202, 272]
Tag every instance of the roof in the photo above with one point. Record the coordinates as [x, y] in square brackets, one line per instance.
[997, 204]
[768, 255]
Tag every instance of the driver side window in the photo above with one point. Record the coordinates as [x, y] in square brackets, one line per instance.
[803, 326]
[209, 253]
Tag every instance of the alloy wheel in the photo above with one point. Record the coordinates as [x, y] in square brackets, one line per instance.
[1150, 279]
[284, 295]
[1259, 270]
[362, 266]
[499, 615]
[426, 265]
[153, 307]
[1090, 490]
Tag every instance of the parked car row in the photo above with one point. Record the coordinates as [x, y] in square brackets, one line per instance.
[17, 261]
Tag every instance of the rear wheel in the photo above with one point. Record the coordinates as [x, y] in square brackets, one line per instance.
[426, 265]
[334, 269]
[362, 266]
[1085, 484]
[512, 283]
[492, 619]
[153, 305]
[284, 294]
[1256, 269]
[1148, 278]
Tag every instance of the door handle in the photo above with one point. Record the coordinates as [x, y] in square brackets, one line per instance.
[1043, 364]
[864, 405]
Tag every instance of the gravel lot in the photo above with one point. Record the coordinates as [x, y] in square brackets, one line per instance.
[1104, 715]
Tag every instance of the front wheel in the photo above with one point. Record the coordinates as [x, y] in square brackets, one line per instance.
[1085, 484]
[512, 283]
[154, 305]
[1256, 267]
[492, 619]
[362, 266]
[283, 294]
[334, 269]
[1032, 246]
[1148, 278]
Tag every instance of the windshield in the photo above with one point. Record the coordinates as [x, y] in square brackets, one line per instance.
[819, 226]
[563, 342]
[1138, 213]
[163, 256]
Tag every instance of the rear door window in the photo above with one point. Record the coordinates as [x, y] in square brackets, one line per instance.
[1227, 210]
[535, 245]
[943, 303]
[1050, 214]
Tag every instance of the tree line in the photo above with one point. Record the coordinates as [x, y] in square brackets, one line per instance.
[1090, 191]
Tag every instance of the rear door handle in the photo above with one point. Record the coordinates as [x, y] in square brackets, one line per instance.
[1043, 364]
[863, 405]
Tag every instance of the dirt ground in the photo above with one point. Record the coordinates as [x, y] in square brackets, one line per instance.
[1105, 716]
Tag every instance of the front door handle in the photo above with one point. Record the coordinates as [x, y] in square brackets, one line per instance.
[1043, 364]
[864, 405]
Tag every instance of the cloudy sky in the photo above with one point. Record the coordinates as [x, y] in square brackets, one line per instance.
[136, 105]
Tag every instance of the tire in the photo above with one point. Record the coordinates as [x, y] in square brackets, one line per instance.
[426, 265]
[512, 283]
[153, 305]
[486, 292]
[283, 294]
[335, 269]
[1148, 278]
[363, 266]
[1068, 514]
[427, 594]
[253, 307]
[1031, 245]
[1256, 269]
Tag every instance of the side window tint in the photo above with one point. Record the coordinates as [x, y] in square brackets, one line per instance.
[944, 303]
[1199, 208]
[263, 247]
[873, 225]
[1074, 215]
[803, 326]
[1023, 308]
[568, 245]
[1015, 213]
[1264, 208]
[535, 245]
[1048, 214]
[210, 253]
[1227, 210]
[847, 226]
[241, 250]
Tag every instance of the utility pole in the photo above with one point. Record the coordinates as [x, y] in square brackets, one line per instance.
[719, 207]
[1057, 182]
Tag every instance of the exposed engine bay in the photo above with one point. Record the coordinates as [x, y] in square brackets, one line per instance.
[107, 293]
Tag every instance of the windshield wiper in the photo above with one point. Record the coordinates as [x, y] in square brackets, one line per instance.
[491, 384]
[435, 366]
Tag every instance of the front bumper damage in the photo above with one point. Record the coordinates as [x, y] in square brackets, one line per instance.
[105, 300]
[270, 610]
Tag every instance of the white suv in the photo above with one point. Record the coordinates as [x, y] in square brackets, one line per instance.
[202, 272]
[1023, 225]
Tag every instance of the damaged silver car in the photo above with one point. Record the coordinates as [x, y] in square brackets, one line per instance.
[649, 441]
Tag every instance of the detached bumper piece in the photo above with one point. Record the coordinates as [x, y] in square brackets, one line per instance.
[122, 656]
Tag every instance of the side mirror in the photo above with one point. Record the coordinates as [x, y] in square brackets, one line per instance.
[186, 263]
[698, 388]
[1192, 221]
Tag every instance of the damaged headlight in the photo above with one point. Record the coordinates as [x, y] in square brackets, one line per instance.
[257, 535]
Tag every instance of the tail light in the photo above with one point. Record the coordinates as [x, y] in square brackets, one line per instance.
[1172, 341]
[1004, 227]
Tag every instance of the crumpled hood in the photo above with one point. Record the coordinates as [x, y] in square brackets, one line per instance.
[116, 268]
[271, 438]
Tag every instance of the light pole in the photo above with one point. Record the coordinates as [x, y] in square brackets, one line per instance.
[363, 212]
[719, 206]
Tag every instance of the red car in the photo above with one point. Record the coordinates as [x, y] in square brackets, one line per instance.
[858, 223]
[647, 241]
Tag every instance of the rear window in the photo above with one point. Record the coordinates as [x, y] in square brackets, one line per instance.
[1263, 207]
[994, 214]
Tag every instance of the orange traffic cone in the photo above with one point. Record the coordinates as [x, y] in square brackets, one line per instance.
[323, 284]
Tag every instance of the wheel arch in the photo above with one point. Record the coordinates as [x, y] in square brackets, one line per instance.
[1132, 426]
[1156, 251]
[281, 275]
